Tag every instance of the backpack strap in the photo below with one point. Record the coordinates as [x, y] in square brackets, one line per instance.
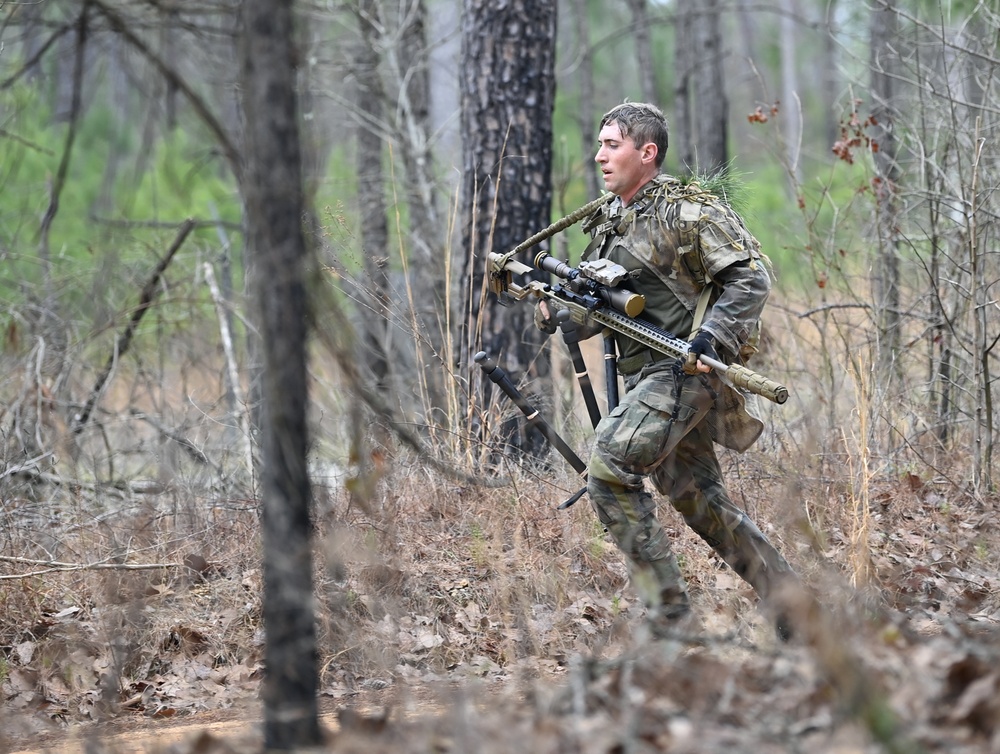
[700, 309]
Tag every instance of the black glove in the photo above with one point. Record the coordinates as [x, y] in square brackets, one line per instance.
[702, 345]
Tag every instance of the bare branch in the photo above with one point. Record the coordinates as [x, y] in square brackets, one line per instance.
[200, 106]
[55, 566]
[125, 339]
[11, 80]
[828, 307]
[74, 117]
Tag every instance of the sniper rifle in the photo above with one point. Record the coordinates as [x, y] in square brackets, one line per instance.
[592, 293]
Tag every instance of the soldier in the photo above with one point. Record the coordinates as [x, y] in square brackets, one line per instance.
[704, 279]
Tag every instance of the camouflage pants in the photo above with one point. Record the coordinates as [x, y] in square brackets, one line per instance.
[660, 430]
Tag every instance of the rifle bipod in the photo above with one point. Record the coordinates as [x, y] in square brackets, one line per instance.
[499, 377]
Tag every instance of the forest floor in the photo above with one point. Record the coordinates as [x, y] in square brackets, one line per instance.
[496, 624]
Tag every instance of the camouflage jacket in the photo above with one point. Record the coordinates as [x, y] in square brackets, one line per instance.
[690, 239]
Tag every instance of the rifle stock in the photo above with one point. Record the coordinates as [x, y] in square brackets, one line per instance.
[590, 301]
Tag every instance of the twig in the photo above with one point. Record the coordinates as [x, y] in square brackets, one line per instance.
[189, 447]
[828, 307]
[124, 223]
[29, 64]
[123, 27]
[21, 140]
[125, 339]
[137, 487]
[55, 566]
[30, 465]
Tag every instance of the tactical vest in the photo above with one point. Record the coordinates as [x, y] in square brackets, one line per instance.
[683, 234]
[671, 224]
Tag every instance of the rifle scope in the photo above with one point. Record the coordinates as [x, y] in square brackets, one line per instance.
[597, 281]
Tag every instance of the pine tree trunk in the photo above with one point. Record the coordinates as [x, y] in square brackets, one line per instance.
[711, 105]
[508, 97]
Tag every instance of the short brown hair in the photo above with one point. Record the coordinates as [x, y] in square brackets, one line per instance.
[645, 123]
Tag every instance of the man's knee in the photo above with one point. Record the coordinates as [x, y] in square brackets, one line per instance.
[598, 470]
[712, 520]
[616, 475]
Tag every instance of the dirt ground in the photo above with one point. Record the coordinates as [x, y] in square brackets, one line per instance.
[912, 684]
[238, 729]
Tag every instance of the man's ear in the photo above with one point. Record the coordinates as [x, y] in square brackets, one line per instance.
[648, 152]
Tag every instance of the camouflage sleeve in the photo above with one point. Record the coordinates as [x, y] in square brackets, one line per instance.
[745, 287]
[731, 259]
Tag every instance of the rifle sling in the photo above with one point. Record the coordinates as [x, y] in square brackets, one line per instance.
[699, 312]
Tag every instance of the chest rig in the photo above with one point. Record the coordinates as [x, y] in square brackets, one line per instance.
[663, 219]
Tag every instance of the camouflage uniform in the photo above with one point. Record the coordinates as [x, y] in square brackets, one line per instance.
[667, 421]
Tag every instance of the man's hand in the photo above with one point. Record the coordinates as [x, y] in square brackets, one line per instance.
[544, 320]
[702, 345]
[551, 315]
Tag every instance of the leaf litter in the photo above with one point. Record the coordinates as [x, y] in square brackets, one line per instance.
[471, 636]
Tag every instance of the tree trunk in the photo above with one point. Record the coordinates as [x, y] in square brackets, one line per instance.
[831, 80]
[168, 43]
[272, 185]
[791, 106]
[585, 82]
[746, 78]
[644, 50]
[508, 97]
[426, 231]
[983, 340]
[684, 60]
[711, 106]
[118, 94]
[374, 294]
[884, 64]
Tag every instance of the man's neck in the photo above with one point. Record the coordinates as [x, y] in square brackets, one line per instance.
[639, 191]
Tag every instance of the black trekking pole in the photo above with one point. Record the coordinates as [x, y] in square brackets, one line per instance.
[571, 337]
[499, 377]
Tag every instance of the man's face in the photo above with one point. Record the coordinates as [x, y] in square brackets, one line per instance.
[626, 166]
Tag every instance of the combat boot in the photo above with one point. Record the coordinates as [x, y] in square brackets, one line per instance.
[673, 617]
